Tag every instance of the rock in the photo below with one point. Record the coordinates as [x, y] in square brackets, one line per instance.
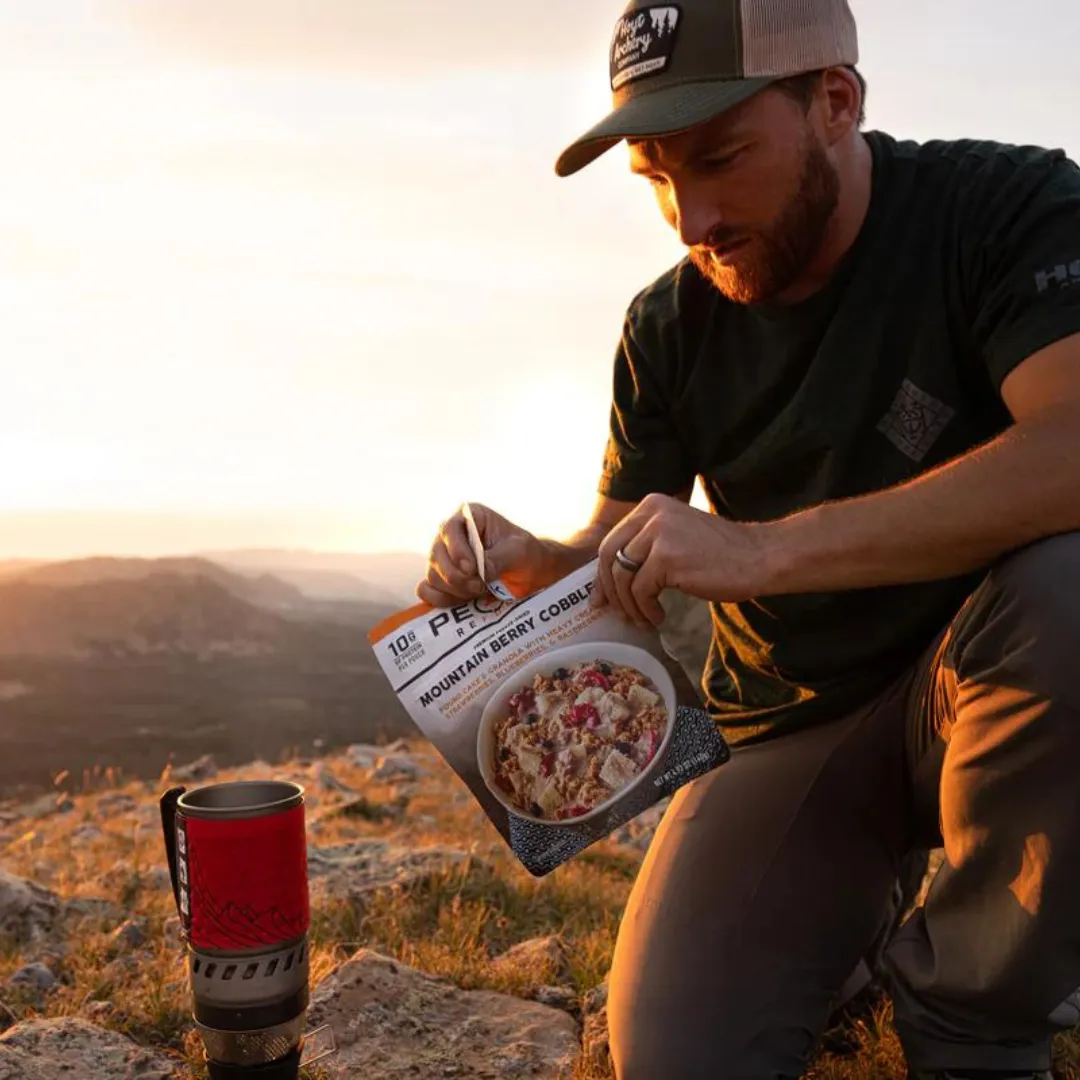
[69, 1047]
[204, 768]
[35, 978]
[398, 746]
[327, 781]
[595, 999]
[173, 931]
[85, 834]
[556, 997]
[396, 767]
[48, 805]
[363, 807]
[91, 907]
[391, 1021]
[129, 935]
[542, 959]
[357, 869]
[364, 756]
[99, 1011]
[117, 804]
[27, 910]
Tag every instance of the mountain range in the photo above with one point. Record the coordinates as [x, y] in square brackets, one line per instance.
[131, 663]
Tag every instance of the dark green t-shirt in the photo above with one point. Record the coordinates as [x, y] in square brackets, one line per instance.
[968, 262]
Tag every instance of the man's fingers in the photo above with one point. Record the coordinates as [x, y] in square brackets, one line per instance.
[443, 574]
[607, 588]
[455, 539]
[429, 594]
[646, 590]
[627, 599]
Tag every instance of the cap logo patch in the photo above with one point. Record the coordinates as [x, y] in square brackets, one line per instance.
[643, 43]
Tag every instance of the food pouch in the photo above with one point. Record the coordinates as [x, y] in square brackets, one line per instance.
[560, 717]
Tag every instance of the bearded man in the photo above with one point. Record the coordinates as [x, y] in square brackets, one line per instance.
[871, 360]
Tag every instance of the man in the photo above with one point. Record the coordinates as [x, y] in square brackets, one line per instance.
[871, 358]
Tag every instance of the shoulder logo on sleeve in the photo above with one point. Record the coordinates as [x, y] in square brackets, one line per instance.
[1061, 276]
[915, 421]
[643, 43]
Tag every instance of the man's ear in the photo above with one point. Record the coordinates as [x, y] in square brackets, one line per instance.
[840, 102]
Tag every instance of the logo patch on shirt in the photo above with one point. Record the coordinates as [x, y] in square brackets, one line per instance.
[643, 43]
[915, 421]
[1061, 276]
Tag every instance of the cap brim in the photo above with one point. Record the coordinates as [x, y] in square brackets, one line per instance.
[663, 112]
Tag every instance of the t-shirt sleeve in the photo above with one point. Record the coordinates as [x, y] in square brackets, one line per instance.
[644, 453]
[1022, 258]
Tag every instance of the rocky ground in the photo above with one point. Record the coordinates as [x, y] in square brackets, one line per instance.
[433, 953]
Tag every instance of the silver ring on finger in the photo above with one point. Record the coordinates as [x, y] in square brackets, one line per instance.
[624, 560]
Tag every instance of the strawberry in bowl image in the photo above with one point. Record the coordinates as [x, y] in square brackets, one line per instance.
[572, 732]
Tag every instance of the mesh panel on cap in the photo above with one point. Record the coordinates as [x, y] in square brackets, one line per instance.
[785, 37]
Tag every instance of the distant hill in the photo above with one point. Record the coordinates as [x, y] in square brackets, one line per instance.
[163, 612]
[16, 566]
[384, 578]
[128, 662]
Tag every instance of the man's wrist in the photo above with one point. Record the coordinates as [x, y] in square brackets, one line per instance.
[789, 550]
[561, 558]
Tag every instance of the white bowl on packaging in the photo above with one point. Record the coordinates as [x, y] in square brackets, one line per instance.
[614, 653]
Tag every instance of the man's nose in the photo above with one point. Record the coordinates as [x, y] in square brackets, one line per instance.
[695, 218]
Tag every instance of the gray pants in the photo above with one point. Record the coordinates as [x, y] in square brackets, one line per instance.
[769, 879]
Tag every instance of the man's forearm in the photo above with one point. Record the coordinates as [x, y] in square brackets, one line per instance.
[1021, 487]
[566, 556]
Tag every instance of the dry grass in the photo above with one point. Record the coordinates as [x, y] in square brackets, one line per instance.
[452, 926]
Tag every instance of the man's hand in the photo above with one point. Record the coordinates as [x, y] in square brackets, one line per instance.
[453, 576]
[681, 548]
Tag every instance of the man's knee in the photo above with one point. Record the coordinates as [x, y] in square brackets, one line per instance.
[1032, 618]
[1044, 572]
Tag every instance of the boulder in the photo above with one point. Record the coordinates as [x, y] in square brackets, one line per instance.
[69, 1047]
[34, 981]
[364, 756]
[541, 960]
[327, 781]
[204, 768]
[392, 1021]
[47, 806]
[394, 767]
[27, 910]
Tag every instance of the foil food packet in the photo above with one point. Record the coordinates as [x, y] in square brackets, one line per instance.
[562, 718]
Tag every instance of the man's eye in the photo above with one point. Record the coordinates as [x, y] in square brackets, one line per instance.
[714, 164]
[657, 181]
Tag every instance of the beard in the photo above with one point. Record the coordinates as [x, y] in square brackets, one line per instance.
[776, 257]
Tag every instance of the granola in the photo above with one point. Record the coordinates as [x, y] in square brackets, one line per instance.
[576, 737]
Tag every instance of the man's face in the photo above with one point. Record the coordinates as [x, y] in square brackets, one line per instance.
[750, 194]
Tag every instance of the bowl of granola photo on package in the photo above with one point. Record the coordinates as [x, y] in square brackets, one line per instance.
[575, 730]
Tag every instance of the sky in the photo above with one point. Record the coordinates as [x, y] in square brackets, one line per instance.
[284, 274]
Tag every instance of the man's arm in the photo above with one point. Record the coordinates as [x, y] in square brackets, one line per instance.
[1021, 487]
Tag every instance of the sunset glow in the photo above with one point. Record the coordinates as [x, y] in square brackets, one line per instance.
[270, 278]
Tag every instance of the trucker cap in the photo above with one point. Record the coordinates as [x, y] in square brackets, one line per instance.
[674, 66]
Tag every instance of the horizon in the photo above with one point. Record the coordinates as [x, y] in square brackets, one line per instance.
[262, 294]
